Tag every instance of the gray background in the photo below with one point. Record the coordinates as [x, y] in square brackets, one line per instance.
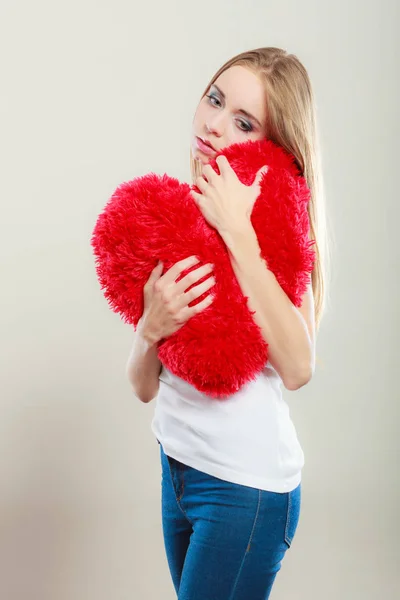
[95, 93]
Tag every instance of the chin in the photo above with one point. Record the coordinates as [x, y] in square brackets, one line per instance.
[199, 156]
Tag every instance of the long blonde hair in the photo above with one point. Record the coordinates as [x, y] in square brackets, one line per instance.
[291, 123]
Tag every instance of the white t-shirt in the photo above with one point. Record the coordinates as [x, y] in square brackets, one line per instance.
[248, 438]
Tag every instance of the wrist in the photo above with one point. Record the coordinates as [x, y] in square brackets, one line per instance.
[239, 236]
[145, 331]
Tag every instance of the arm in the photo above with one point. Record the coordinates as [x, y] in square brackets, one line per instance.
[289, 331]
[166, 310]
[143, 367]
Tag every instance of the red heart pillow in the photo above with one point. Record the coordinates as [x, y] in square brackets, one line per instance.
[155, 218]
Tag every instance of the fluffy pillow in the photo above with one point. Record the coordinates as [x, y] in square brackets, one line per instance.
[155, 218]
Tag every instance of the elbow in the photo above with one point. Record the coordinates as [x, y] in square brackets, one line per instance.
[143, 393]
[299, 380]
[143, 397]
[146, 395]
[146, 400]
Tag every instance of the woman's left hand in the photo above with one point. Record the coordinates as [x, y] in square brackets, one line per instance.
[225, 202]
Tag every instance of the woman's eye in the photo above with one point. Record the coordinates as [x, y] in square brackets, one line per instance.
[247, 127]
[212, 97]
[243, 125]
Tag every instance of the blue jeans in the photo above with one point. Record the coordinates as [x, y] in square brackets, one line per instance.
[223, 541]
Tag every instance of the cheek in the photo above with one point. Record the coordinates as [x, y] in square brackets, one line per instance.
[257, 135]
[200, 115]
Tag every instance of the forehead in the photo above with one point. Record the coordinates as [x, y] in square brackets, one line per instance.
[243, 89]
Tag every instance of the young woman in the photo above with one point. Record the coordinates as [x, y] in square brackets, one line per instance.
[231, 470]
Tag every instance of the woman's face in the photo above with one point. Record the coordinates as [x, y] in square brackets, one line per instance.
[232, 111]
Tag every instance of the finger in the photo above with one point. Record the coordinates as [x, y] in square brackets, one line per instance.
[203, 304]
[195, 292]
[173, 273]
[201, 183]
[260, 173]
[156, 272]
[198, 198]
[209, 173]
[193, 278]
[160, 267]
[154, 276]
[224, 165]
[189, 312]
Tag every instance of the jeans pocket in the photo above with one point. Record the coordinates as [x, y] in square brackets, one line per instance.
[293, 514]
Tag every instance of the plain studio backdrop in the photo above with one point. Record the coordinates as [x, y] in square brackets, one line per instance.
[96, 93]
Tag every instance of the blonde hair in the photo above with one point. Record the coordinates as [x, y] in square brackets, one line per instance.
[291, 123]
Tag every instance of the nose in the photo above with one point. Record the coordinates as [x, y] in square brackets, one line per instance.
[215, 126]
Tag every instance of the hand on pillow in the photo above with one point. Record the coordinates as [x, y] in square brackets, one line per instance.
[154, 218]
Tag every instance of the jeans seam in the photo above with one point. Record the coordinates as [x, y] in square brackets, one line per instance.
[289, 507]
[182, 492]
[181, 470]
[173, 487]
[248, 546]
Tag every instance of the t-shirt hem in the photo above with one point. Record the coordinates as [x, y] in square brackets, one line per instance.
[262, 483]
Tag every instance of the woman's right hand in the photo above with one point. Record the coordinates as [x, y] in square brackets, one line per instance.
[166, 301]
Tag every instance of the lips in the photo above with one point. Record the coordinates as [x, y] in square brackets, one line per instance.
[205, 147]
[207, 143]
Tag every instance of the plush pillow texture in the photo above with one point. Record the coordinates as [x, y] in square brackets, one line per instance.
[154, 217]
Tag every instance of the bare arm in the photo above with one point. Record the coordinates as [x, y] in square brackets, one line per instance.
[289, 331]
[144, 367]
[165, 311]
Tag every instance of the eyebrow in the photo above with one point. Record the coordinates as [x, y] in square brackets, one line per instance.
[243, 112]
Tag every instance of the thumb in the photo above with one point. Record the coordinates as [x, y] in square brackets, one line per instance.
[154, 276]
[259, 175]
[157, 271]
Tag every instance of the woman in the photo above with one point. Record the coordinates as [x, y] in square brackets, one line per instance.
[231, 470]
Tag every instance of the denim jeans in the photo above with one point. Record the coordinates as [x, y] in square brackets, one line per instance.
[223, 541]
